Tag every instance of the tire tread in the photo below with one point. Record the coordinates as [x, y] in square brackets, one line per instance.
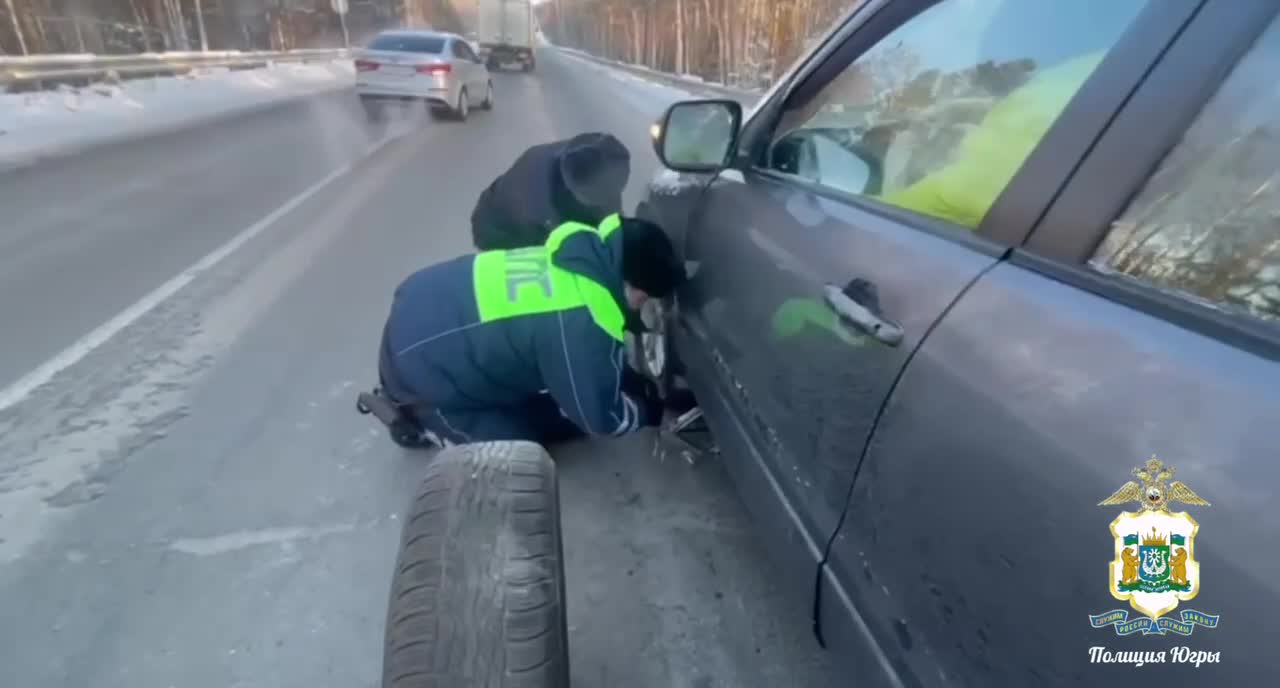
[477, 598]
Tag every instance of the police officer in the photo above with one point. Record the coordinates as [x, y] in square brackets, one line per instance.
[525, 344]
[579, 179]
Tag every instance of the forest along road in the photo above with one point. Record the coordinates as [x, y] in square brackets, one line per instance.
[189, 498]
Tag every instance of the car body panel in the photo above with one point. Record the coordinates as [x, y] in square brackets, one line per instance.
[780, 531]
[973, 536]
[766, 245]
[971, 547]
[396, 76]
[807, 387]
[670, 199]
[974, 533]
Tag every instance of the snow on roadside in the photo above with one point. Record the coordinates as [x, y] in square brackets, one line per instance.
[650, 90]
[34, 125]
[692, 80]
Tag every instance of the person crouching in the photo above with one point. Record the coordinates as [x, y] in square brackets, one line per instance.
[526, 344]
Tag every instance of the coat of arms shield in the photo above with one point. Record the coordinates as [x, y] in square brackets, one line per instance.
[1154, 567]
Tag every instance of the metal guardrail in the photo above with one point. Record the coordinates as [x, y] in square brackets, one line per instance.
[43, 71]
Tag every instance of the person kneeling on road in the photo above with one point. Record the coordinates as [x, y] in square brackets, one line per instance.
[526, 344]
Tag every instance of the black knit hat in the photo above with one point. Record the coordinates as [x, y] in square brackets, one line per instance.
[649, 260]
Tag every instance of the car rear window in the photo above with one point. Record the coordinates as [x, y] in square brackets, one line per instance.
[409, 44]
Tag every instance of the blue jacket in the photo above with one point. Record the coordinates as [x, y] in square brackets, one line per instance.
[448, 358]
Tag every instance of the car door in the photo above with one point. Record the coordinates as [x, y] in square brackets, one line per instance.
[858, 210]
[461, 65]
[1140, 319]
[477, 80]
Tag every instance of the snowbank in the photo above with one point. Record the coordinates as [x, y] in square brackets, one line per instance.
[35, 125]
[673, 82]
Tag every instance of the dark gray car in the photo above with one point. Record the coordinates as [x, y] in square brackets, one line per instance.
[957, 278]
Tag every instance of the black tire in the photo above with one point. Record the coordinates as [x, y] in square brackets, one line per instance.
[462, 110]
[374, 113]
[477, 598]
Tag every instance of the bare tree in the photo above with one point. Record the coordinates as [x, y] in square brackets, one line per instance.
[736, 42]
[130, 26]
[204, 37]
[17, 28]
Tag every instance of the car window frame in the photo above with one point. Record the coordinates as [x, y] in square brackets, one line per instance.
[444, 42]
[1130, 151]
[467, 53]
[1013, 215]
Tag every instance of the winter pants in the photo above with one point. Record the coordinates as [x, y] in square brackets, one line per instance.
[537, 420]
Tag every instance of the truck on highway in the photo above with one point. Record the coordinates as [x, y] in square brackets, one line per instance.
[505, 30]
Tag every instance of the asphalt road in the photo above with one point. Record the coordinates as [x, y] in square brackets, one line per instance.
[191, 501]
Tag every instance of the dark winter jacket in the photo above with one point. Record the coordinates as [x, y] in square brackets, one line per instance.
[524, 204]
[495, 329]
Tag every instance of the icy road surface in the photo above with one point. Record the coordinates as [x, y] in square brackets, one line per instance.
[186, 495]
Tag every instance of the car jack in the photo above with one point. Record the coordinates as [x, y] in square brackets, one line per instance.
[690, 432]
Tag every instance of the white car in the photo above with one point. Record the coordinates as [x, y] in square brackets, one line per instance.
[440, 69]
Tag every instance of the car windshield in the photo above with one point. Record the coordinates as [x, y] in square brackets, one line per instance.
[408, 43]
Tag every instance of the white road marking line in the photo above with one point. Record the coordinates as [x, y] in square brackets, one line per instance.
[25, 385]
[232, 542]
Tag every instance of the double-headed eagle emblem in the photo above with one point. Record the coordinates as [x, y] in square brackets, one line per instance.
[1154, 566]
[1155, 492]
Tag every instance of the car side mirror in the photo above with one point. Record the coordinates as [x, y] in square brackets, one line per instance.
[824, 157]
[697, 135]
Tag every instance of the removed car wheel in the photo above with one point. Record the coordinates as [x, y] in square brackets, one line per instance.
[477, 598]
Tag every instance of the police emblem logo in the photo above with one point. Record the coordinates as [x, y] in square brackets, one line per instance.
[1154, 566]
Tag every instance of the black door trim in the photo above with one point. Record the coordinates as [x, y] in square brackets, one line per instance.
[1015, 212]
[1132, 148]
[864, 27]
[1149, 126]
[1045, 172]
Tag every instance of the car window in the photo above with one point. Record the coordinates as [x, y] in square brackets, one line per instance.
[1206, 224]
[408, 44]
[938, 116]
[460, 50]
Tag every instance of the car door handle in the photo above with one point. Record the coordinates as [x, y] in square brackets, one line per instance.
[863, 312]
